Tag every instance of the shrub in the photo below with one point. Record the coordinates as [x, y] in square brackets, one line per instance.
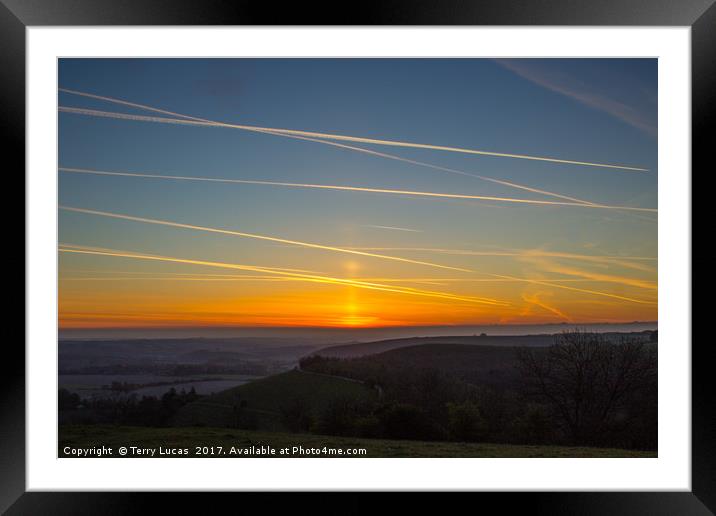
[403, 421]
[295, 415]
[465, 422]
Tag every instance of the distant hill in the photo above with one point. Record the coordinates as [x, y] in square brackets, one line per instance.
[259, 404]
[369, 348]
[495, 366]
[158, 355]
[489, 365]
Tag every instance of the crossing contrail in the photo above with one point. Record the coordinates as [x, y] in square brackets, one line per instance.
[359, 189]
[537, 301]
[434, 167]
[453, 171]
[306, 277]
[329, 136]
[340, 145]
[350, 147]
[256, 236]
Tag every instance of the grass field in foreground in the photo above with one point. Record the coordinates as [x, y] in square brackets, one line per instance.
[188, 438]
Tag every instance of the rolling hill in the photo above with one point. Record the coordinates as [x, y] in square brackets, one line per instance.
[369, 348]
[259, 404]
[495, 366]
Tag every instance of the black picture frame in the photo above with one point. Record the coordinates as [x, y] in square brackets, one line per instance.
[17, 15]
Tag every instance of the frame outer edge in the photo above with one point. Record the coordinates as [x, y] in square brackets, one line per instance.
[703, 109]
[12, 381]
[385, 12]
[12, 96]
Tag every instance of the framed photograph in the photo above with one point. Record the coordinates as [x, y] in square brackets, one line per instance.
[422, 252]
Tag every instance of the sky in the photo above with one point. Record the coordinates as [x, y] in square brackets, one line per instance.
[356, 193]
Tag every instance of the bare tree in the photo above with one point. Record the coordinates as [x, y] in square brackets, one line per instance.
[589, 381]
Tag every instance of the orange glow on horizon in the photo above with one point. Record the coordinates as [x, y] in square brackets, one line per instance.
[255, 296]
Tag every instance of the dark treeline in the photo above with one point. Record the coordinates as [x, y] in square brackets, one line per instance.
[123, 409]
[236, 367]
[583, 390]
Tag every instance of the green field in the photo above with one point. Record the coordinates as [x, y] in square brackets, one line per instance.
[263, 400]
[189, 438]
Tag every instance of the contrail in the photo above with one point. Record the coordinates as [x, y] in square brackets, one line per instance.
[394, 143]
[393, 228]
[622, 280]
[258, 278]
[94, 248]
[634, 262]
[169, 274]
[225, 278]
[259, 237]
[359, 189]
[535, 300]
[639, 263]
[350, 147]
[69, 248]
[306, 277]
[452, 171]
[456, 171]
[519, 254]
[433, 166]
[180, 275]
[251, 277]
[595, 292]
[174, 278]
[339, 145]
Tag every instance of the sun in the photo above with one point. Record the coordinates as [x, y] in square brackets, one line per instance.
[352, 309]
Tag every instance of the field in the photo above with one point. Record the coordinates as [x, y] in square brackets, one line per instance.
[189, 438]
[260, 402]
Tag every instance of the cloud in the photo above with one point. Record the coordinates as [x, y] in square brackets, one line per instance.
[575, 89]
